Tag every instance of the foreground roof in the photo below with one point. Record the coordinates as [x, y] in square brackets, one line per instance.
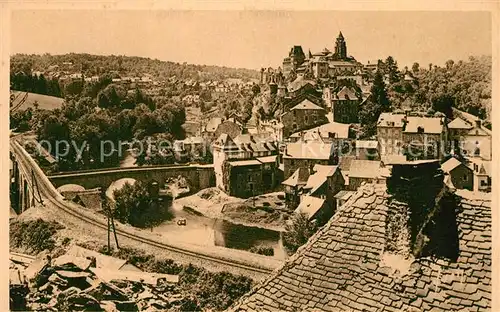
[345, 266]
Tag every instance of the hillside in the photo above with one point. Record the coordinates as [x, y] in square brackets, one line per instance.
[126, 66]
[44, 101]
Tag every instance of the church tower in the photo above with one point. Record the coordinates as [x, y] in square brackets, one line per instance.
[341, 47]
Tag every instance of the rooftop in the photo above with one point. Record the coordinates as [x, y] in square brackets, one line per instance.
[299, 177]
[450, 164]
[307, 104]
[346, 265]
[346, 94]
[241, 163]
[366, 144]
[310, 205]
[459, 123]
[340, 130]
[309, 150]
[365, 169]
[431, 125]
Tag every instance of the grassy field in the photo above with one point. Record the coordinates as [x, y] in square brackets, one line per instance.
[44, 101]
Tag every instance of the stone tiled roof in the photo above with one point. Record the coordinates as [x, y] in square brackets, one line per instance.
[459, 123]
[299, 177]
[307, 105]
[346, 267]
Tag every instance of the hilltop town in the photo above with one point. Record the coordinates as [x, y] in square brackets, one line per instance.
[344, 185]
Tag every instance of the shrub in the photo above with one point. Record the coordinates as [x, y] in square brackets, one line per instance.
[34, 236]
[262, 250]
[298, 232]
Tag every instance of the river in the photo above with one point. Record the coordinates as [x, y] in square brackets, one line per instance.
[206, 231]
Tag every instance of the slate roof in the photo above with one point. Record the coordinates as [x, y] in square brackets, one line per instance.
[366, 144]
[316, 180]
[346, 94]
[365, 169]
[309, 150]
[310, 205]
[345, 267]
[241, 163]
[341, 131]
[459, 123]
[429, 124]
[299, 83]
[213, 124]
[307, 104]
[450, 164]
[255, 142]
[299, 177]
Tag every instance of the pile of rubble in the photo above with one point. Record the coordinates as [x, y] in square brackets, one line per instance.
[78, 283]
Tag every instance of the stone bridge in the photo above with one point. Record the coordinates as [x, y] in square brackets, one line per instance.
[198, 176]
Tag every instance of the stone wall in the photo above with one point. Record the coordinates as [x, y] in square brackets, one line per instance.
[199, 177]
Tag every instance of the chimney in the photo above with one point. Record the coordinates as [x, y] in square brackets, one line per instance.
[430, 211]
[478, 123]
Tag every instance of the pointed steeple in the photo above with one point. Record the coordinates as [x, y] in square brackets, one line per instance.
[310, 54]
[340, 35]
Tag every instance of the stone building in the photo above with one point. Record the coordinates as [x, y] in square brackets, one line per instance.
[246, 166]
[461, 176]
[345, 104]
[329, 132]
[293, 187]
[323, 64]
[422, 137]
[307, 155]
[303, 116]
[295, 58]
[472, 139]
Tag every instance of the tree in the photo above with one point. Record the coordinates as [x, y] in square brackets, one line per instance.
[75, 87]
[449, 64]
[443, 103]
[376, 104]
[134, 205]
[256, 89]
[415, 68]
[392, 69]
[298, 232]
[378, 93]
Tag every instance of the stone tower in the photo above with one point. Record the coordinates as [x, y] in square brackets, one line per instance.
[341, 47]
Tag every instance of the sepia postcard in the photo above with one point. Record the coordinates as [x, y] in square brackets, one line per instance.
[197, 156]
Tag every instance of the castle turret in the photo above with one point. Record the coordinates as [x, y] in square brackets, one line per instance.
[340, 47]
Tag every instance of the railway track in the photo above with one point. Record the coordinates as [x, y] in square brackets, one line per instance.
[52, 196]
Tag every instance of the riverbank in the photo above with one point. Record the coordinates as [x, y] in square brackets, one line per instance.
[264, 211]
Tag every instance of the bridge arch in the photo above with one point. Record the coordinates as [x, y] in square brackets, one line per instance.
[70, 188]
[118, 185]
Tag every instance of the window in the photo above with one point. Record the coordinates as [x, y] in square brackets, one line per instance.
[484, 183]
[305, 119]
[249, 178]
[465, 177]
[477, 151]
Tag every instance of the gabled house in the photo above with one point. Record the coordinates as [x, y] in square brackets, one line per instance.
[307, 155]
[293, 187]
[471, 138]
[305, 115]
[460, 176]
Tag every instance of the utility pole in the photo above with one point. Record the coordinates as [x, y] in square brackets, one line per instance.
[110, 220]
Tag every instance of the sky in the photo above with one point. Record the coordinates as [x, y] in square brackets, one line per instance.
[253, 39]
